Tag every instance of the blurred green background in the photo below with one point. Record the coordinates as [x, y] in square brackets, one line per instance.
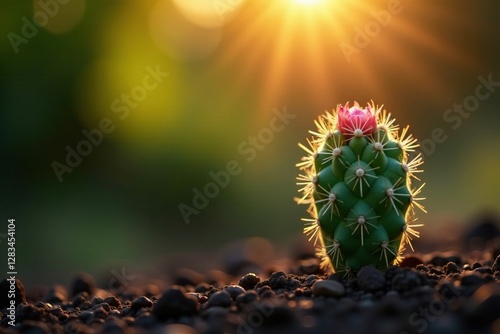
[65, 66]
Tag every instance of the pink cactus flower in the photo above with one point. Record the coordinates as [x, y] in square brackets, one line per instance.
[355, 121]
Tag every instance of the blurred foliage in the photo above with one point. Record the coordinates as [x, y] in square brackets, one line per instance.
[229, 64]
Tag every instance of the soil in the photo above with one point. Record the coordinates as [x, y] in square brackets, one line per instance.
[426, 293]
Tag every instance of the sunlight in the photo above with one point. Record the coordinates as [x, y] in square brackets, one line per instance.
[324, 49]
[308, 2]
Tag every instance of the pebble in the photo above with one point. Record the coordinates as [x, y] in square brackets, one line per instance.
[278, 280]
[249, 281]
[220, 298]
[328, 288]
[234, 290]
[246, 298]
[202, 287]
[141, 302]
[174, 303]
[85, 315]
[483, 270]
[370, 279]
[450, 268]
[112, 301]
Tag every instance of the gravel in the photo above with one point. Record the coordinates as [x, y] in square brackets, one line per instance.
[448, 293]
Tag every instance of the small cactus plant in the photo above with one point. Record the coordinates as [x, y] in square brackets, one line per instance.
[357, 180]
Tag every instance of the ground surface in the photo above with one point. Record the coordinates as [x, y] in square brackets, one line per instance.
[427, 293]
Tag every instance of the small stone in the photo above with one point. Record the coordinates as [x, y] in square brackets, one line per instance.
[85, 315]
[278, 280]
[249, 281]
[100, 313]
[234, 290]
[97, 301]
[246, 298]
[476, 265]
[112, 301]
[199, 296]
[370, 279]
[422, 267]
[174, 304]
[142, 302]
[484, 270]
[328, 288]
[83, 282]
[310, 280]
[220, 298]
[202, 287]
[451, 268]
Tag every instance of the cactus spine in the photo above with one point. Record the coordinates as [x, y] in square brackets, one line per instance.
[357, 180]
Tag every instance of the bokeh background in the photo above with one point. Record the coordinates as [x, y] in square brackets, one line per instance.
[230, 63]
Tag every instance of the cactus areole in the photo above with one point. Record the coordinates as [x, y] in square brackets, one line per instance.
[358, 179]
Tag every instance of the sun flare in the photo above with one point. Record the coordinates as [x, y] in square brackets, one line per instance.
[317, 48]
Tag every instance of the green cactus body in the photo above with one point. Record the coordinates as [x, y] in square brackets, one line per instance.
[357, 179]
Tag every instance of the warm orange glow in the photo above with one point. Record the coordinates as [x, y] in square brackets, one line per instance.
[307, 2]
[332, 50]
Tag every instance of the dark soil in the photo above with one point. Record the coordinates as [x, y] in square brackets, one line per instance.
[433, 293]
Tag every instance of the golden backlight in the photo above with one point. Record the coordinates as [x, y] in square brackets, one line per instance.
[307, 2]
[320, 48]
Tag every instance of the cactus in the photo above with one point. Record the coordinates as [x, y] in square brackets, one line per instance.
[357, 180]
